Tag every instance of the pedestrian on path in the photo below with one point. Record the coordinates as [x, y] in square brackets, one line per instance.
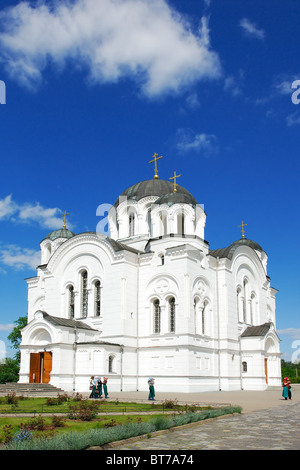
[151, 389]
[99, 386]
[286, 391]
[105, 379]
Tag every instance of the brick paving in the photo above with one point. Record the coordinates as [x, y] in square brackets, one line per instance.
[275, 428]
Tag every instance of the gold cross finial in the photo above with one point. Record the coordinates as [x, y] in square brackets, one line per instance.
[155, 164]
[65, 221]
[243, 231]
[175, 184]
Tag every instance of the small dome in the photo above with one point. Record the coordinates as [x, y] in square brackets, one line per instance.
[61, 233]
[245, 241]
[155, 187]
[177, 198]
[229, 251]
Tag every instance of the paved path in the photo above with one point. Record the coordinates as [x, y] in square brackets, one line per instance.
[276, 428]
[267, 422]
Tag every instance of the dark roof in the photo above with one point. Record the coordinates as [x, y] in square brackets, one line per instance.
[117, 246]
[259, 330]
[229, 251]
[66, 322]
[61, 233]
[177, 198]
[154, 187]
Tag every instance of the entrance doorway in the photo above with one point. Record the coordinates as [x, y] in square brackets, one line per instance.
[40, 367]
[266, 370]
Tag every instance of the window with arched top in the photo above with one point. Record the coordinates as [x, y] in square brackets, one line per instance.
[252, 308]
[71, 302]
[84, 295]
[245, 287]
[181, 224]
[156, 316]
[131, 225]
[203, 317]
[164, 223]
[111, 363]
[172, 317]
[97, 298]
[244, 366]
[149, 222]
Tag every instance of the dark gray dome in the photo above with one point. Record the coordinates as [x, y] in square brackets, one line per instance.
[229, 251]
[247, 242]
[177, 198]
[156, 187]
[61, 233]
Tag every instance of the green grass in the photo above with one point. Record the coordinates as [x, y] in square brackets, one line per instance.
[78, 435]
[40, 406]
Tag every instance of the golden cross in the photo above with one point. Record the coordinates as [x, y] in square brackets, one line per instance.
[65, 221]
[155, 164]
[243, 231]
[174, 178]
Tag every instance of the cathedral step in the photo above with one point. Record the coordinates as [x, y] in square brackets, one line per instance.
[30, 389]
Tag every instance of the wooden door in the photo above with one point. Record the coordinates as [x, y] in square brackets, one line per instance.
[266, 369]
[35, 367]
[47, 367]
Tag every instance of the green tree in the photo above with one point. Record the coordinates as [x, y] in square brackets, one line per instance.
[15, 336]
[9, 370]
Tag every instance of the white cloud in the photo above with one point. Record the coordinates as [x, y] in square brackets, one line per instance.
[7, 327]
[142, 39]
[7, 207]
[251, 30]
[19, 258]
[293, 332]
[293, 119]
[46, 217]
[188, 140]
[232, 86]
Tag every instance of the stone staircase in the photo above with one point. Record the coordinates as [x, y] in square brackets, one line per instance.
[30, 389]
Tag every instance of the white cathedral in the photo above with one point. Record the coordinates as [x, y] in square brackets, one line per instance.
[151, 300]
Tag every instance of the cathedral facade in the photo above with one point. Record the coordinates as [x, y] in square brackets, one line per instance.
[151, 300]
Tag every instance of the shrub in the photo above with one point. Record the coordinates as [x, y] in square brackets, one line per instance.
[11, 399]
[36, 424]
[85, 410]
[7, 430]
[57, 421]
[170, 404]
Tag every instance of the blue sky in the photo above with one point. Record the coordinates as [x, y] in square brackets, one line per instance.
[94, 88]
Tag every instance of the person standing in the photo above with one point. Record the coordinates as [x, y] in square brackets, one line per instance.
[285, 390]
[151, 389]
[100, 387]
[105, 379]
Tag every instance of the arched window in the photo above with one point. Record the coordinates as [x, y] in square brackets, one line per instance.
[149, 222]
[244, 366]
[180, 224]
[84, 295]
[245, 302]
[131, 225]
[97, 299]
[156, 316]
[71, 303]
[172, 315]
[252, 308]
[111, 363]
[203, 319]
[164, 224]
